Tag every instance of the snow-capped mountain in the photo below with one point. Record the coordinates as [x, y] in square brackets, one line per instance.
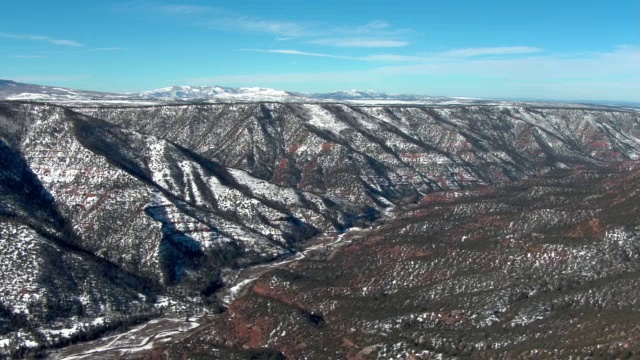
[355, 94]
[226, 94]
[213, 93]
[371, 96]
[352, 95]
[183, 92]
[11, 90]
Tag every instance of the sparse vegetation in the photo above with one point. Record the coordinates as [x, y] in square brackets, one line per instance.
[503, 231]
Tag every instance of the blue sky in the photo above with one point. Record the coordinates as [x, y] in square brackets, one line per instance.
[563, 50]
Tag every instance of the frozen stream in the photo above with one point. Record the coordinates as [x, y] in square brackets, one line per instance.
[140, 338]
[249, 275]
[143, 337]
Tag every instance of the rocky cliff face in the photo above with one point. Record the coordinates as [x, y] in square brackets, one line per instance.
[113, 208]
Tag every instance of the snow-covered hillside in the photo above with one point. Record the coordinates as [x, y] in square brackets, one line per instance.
[217, 93]
[134, 204]
[10, 90]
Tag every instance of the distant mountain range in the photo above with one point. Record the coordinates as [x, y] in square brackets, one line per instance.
[216, 93]
[11, 90]
[376, 95]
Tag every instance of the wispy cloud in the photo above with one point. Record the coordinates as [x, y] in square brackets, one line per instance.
[360, 43]
[391, 58]
[621, 62]
[283, 29]
[298, 52]
[217, 18]
[375, 25]
[172, 9]
[185, 9]
[48, 39]
[604, 75]
[505, 50]
[377, 57]
[29, 56]
[63, 42]
[45, 78]
[106, 49]
[375, 33]
[430, 58]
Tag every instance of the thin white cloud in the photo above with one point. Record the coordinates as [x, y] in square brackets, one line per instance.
[48, 39]
[432, 58]
[378, 57]
[621, 62]
[29, 56]
[612, 75]
[376, 25]
[376, 33]
[63, 42]
[219, 18]
[45, 78]
[505, 50]
[360, 43]
[373, 29]
[285, 29]
[297, 52]
[391, 58]
[106, 49]
[373, 34]
[184, 9]
[171, 9]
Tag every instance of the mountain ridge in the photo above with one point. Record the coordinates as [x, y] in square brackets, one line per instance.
[180, 94]
[185, 196]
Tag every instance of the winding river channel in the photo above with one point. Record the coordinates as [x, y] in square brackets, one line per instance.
[142, 337]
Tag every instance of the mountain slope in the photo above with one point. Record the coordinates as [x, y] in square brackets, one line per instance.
[544, 268]
[54, 290]
[164, 204]
[385, 154]
[148, 206]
